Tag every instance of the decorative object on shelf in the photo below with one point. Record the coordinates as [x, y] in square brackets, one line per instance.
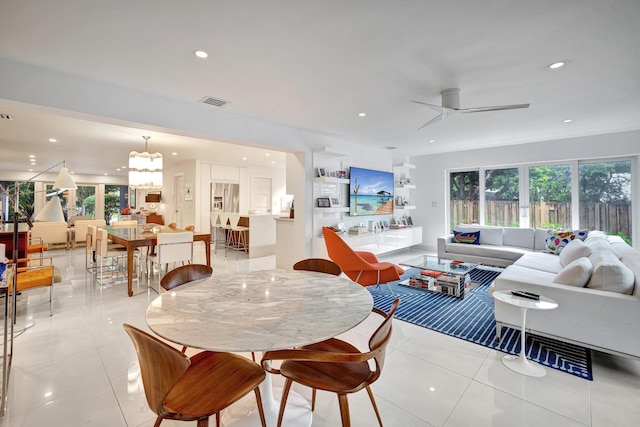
[341, 174]
[332, 174]
[409, 221]
[384, 224]
[399, 201]
[321, 172]
[335, 201]
[145, 169]
[324, 202]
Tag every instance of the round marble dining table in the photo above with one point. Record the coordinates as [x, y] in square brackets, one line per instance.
[260, 311]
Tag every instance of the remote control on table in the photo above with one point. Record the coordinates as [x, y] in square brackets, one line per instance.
[525, 294]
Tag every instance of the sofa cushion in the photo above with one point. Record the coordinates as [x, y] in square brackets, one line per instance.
[488, 235]
[557, 240]
[601, 243]
[576, 273]
[574, 250]
[540, 239]
[610, 274]
[520, 237]
[468, 237]
[540, 261]
[490, 251]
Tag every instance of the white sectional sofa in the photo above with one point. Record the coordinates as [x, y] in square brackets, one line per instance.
[596, 284]
[498, 246]
[598, 296]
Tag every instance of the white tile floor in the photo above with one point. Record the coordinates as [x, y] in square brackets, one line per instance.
[78, 368]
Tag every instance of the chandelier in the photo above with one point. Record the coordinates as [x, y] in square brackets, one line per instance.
[145, 169]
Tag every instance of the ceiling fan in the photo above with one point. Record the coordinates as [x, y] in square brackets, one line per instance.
[451, 106]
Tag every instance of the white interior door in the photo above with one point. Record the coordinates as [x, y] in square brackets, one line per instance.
[178, 201]
[260, 194]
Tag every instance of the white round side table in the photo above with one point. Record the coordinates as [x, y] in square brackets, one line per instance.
[520, 363]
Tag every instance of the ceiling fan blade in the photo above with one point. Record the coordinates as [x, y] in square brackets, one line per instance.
[494, 108]
[437, 108]
[432, 121]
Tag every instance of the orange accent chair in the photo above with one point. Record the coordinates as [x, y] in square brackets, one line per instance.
[360, 266]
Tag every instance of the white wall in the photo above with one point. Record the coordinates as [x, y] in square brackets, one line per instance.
[431, 172]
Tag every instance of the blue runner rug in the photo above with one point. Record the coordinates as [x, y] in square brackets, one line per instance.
[472, 319]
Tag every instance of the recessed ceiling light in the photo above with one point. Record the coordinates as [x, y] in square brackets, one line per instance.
[362, 114]
[30, 170]
[556, 65]
[273, 161]
[201, 54]
[567, 121]
[432, 140]
[174, 154]
[53, 140]
[32, 156]
[106, 174]
[123, 167]
[244, 158]
[118, 169]
[267, 154]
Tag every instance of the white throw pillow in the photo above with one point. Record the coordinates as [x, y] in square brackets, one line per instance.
[576, 273]
[575, 249]
[610, 274]
[601, 243]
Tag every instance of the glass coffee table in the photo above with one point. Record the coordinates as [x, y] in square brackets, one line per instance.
[447, 276]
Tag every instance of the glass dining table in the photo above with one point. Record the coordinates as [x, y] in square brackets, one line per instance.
[256, 312]
[147, 235]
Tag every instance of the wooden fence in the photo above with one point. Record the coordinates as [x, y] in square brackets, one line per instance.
[611, 218]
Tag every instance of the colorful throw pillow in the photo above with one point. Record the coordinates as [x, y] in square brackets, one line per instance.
[557, 240]
[471, 237]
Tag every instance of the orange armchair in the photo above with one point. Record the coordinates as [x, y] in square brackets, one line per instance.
[361, 267]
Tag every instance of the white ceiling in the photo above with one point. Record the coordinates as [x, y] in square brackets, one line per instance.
[316, 65]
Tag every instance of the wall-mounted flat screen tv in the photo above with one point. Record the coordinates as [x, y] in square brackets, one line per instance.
[370, 192]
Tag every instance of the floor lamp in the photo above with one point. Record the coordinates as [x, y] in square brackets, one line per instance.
[51, 212]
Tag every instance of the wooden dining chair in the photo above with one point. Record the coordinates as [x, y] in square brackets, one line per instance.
[190, 228]
[172, 225]
[185, 274]
[318, 264]
[192, 389]
[334, 365]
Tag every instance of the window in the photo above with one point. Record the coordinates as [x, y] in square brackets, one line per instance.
[605, 197]
[502, 197]
[86, 200]
[464, 197]
[593, 195]
[550, 196]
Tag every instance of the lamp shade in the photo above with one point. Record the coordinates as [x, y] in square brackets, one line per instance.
[52, 211]
[145, 170]
[64, 181]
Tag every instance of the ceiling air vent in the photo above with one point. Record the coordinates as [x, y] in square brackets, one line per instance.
[216, 102]
[6, 116]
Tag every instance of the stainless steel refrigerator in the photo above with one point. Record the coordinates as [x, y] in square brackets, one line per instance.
[225, 197]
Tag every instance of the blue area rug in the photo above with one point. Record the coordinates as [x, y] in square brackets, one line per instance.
[472, 319]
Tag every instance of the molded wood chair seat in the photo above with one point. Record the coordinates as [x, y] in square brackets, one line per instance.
[318, 264]
[192, 389]
[185, 274]
[360, 266]
[334, 365]
[35, 277]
